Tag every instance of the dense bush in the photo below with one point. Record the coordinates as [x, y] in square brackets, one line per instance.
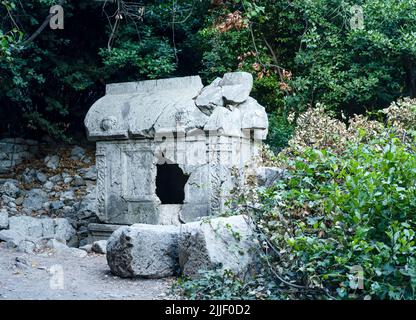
[345, 210]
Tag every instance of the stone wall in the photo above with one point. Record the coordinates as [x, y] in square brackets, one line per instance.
[14, 150]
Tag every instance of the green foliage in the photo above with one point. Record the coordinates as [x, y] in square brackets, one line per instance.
[336, 211]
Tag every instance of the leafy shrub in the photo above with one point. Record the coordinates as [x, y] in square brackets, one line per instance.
[344, 210]
[348, 200]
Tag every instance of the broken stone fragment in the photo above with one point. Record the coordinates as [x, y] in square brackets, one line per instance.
[236, 86]
[210, 97]
[146, 251]
[221, 243]
[100, 247]
[52, 162]
[12, 238]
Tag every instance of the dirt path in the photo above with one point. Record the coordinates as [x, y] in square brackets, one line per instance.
[36, 276]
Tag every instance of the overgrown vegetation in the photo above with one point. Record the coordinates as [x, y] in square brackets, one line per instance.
[349, 197]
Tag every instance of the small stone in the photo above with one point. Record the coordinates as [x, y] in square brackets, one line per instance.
[87, 248]
[91, 173]
[62, 249]
[68, 180]
[27, 176]
[100, 246]
[11, 237]
[87, 160]
[78, 181]
[52, 162]
[56, 205]
[9, 189]
[26, 246]
[41, 177]
[4, 219]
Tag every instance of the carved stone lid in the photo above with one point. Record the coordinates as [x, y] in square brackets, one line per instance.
[135, 110]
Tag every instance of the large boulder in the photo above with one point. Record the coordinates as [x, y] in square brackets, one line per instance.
[220, 243]
[142, 250]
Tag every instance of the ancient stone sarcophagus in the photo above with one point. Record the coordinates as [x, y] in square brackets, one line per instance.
[166, 148]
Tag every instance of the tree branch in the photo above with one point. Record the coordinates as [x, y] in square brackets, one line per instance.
[42, 27]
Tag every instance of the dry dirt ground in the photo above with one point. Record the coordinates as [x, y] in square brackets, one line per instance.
[50, 277]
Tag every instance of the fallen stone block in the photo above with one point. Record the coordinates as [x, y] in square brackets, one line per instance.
[220, 243]
[142, 250]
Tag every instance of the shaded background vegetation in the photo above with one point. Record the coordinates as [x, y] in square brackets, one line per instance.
[300, 52]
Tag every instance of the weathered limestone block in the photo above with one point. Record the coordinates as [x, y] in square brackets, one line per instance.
[26, 226]
[142, 126]
[236, 86]
[224, 120]
[14, 150]
[146, 251]
[221, 243]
